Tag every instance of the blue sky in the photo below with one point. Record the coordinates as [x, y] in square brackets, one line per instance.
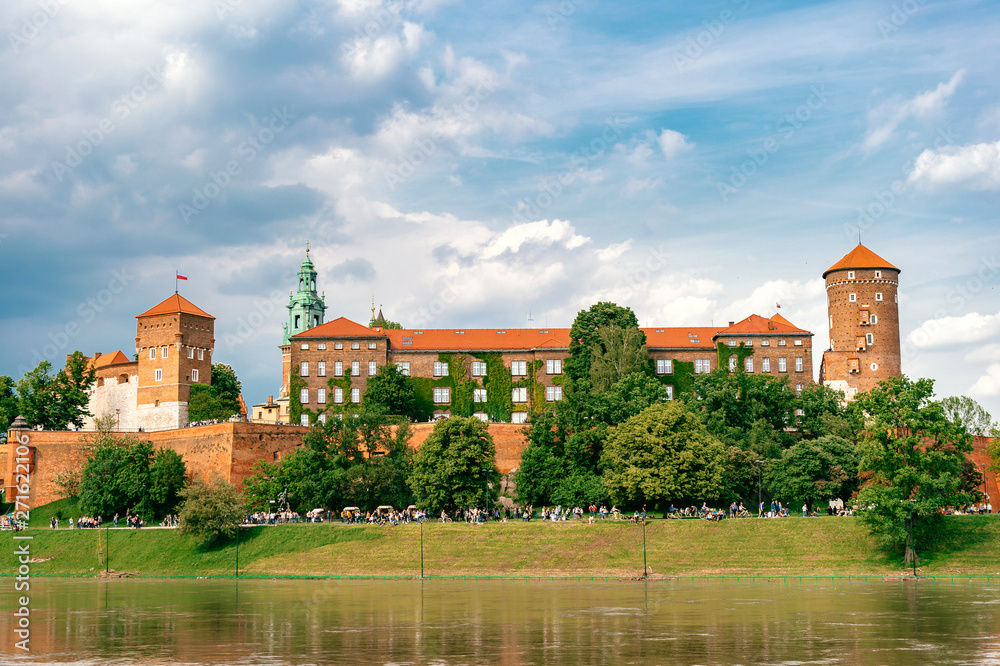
[472, 163]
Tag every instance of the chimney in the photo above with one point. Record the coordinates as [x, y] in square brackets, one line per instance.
[731, 324]
[270, 399]
[97, 355]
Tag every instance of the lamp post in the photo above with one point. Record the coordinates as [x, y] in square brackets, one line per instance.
[421, 549]
[760, 482]
[644, 567]
[118, 420]
[913, 550]
[986, 495]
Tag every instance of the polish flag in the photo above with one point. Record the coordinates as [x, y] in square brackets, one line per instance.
[181, 277]
[778, 305]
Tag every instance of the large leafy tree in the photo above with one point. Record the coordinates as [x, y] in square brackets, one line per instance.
[454, 466]
[8, 403]
[748, 410]
[616, 351]
[56, 402]
[825, 412]
[584, 333]
[391, 391]
[911, 462]
[664, 453]
[211, 512]
[167, 478]
[963, 409]
[814, 471]
[220, 400]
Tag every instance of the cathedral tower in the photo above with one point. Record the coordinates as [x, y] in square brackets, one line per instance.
[863, 307]
[305, 310]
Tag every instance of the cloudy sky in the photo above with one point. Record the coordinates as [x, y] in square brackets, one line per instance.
[470, 164]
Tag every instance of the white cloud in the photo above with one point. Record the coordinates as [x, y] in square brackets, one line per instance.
[672, 143]
[948, 331]
[883, 121]
[987, 385]
[976, 166]
[538, 233]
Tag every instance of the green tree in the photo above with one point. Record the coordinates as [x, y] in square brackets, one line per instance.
[391, 391]
[740, 481]
[220, 400]
[454, 465]
[825, 412]
[748, 410]
[212, 511]
[583, 334]
[963, 409]
[56, 402]
[382, 322]
[628, 396]
[911, 462]
[814, 471]
[8, 403]
[167, 478]
[661, 454]
[116, 479]
[616, 351]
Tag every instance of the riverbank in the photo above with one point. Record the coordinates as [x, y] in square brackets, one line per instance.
[825, 546]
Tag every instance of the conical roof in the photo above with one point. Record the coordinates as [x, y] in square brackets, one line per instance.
[175, 304]
[860, 257]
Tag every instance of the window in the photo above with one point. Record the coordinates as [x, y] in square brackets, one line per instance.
[765, 343]
[321, 345]
[553, 366]
[850, 275]
[440, 369]
[321, 368]
[873, 319]
[304, 396]
[798, 389]
[338, 396]
[702, 366]
[482, 417]
[305, 345]
[338, 368]
[355, 368]
[664, 366]
[338, 345]
[519, 417]
[201, 354]
[670, 392]
[732, 363]
[765, 365]
[163, 351]
[870, 338]
[878, 274]
[479, 395]
[355, 345]
[519, 394]
[304, 420]
[748, 364]
[152, 353]
[322, 418]
[372, 368]
[158, 375]
[442, 395]
[781, 343]
[478, 368]
[874, 366]
[321, 396]
[852, 298]
[194, 374]
[553, 393]
[781, 365]
[304, 369]
[798, 343]
[372, 345]
[878, 295]
[190, 352]
[748, 343]
[731, 343]
[355, 395]
[518, 368]
[404, 367]
[798, 364]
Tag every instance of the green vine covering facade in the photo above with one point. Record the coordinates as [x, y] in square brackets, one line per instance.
[725, 352]
[295, 409]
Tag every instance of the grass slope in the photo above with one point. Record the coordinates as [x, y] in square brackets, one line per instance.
[792, 547]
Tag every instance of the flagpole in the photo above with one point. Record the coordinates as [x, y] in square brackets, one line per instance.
[175, 282]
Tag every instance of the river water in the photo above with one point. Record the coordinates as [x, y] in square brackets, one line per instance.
[445, 622]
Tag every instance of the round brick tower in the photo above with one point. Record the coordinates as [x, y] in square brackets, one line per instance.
[863, 306]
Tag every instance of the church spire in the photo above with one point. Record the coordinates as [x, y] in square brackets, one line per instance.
[306, 307]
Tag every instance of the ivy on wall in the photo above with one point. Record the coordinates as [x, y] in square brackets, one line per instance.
[682, 377]
[725, 352]
[296, 410]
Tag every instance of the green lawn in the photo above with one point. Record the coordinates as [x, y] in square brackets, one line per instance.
[790, 547]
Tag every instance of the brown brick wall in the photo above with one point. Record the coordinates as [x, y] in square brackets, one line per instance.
[177, 333]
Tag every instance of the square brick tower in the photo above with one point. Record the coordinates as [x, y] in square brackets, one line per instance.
[174, 341]
[863, 305]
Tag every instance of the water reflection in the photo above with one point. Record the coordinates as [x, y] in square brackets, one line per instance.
[514, 623]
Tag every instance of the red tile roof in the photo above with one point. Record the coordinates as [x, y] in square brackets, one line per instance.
[757, 325]
[680, 337]
[114, 358]
[173, 305]
[860, 257]
[485, 339]
[341, 327]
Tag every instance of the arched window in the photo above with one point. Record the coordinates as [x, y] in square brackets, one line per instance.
[298, 321]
